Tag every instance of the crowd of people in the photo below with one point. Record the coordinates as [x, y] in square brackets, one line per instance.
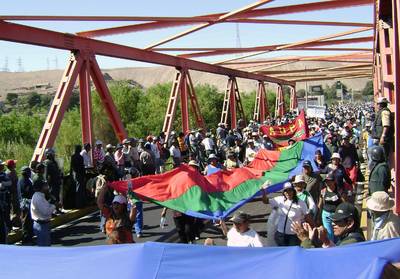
[316, 208]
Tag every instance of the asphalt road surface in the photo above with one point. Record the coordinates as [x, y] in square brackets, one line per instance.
[85, 231]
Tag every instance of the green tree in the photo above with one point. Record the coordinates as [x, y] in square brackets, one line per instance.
[12, 98]
[34, 100]
[210, 102]
[20, 128]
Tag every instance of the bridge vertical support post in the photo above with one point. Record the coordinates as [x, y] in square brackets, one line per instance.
[260, 109]
[184, 102]
[396, 75]
[58, 107]
[279, 102]
[107, 100]
[182, 89]
[387, 72]
[293, 99]
[232, 104]
[86, 103]
[194, 103]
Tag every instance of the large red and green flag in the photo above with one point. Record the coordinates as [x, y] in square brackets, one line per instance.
[297, 130]
[213, 197]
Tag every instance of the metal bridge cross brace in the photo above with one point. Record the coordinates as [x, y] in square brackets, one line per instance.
[182, 89]
[279, 102]
[261, 105]
[232, 104]
[84, 65]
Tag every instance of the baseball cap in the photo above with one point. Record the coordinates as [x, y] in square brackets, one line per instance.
[99, 142]
[343, 211]
[212, 156]
[109, 146]
[382, 100]
[307, 163]
[287, 185]
[193, 163]
[240, 217]
[11, 163]
[120, 199]
[298, 179]
[335, 156]
[329, 177]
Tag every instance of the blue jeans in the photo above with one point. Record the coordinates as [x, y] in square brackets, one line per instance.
[327, 223]
[139, 218]
[102, 223]
[42, 232]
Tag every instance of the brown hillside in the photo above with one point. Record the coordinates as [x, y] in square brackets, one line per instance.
[46, 82]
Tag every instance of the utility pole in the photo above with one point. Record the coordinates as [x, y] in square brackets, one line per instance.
[19, 63]
[5, 68]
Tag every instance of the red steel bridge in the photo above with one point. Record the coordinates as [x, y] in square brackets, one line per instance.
[380, 63]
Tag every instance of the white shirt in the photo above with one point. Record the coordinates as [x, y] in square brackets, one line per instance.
[87, 160]
[41, 209]
[251, 153]
[175, 152]
[246, 239]
[208, 143]
[296, 213]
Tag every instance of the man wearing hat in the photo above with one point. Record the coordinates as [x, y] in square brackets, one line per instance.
[350, 160]
[25, 188]
[346, 228]
[251, 151]
[77, 170]
[53, 174]
[15, 209]
[41, 210]
[109, 162]
[98, 154]
[221, 134]
[340, 174]
[385, 223]
[208, 144]
[346, 224]
[232, 162]
[87, 158]
[241, 235]
[213, 165]
[379, 177]
[299, 185]
[382, 130]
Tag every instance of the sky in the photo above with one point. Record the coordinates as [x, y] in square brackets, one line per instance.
[32, 58]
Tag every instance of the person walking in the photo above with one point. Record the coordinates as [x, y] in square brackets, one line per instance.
[78, 177]
[290, 209]
[379, 177]
[25, 188]
[41, 211]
